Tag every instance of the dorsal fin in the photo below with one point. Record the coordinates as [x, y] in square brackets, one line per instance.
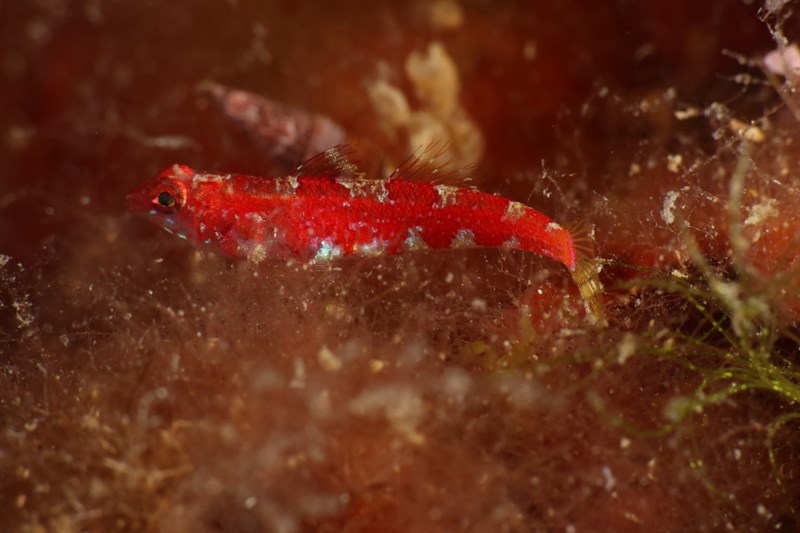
[428, 166]
[333, 163]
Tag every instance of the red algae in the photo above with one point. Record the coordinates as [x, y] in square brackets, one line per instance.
[148, 386]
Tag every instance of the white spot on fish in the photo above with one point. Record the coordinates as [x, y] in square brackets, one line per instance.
[210, 178]
[178, 172]
[512, 243]
[414, 241]
[374, 248]
[515, 211]
[254, 217]
[258, 253]
[553, 226]
[372, 189]
[463, 238]
[447, 195]
[359, 224]
[286, 186]
[378, 191]
[327, 251]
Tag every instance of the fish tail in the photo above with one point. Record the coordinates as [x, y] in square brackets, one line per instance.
[585, 277]
[584, 272]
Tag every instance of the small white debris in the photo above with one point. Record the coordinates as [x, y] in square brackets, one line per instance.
[624, 443]
[328, 360]
[479, 304]
[402, 406]
[609, 477]
[449, 277]
[674, 163]
[761, 211]
[680, 274]
[689, 112]
[23, 312]
[456, 384]
[676, 408]
[634, 169]
[667, 214]
[4, 259]
[747, 132]
[626, 348]
[250, 502]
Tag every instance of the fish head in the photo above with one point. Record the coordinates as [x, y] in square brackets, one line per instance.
[167, 201]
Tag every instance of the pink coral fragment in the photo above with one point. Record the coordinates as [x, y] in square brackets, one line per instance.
[784, 61]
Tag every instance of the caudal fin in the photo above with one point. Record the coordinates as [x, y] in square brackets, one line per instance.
[585, 277]
[584, 270]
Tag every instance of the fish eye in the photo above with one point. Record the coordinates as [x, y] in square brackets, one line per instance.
[168, 196]
[166, 199]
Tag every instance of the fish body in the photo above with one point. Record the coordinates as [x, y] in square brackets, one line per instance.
[313, 218]
[318, 216]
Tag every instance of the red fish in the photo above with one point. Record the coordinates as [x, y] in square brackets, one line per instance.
[327, 210]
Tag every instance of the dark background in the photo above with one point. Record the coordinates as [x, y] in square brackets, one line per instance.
[149, 387]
